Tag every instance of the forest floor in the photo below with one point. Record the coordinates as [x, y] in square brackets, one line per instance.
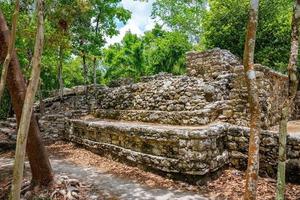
[112, 180]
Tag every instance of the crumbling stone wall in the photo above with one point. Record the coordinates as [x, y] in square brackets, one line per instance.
[211, 64]
[221, 64]
[213, 92]
[237, 145]
[185, 150]
[73, 105]
[165, 99]
[170, 149]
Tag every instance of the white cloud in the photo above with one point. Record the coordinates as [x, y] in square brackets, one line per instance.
[140, 21]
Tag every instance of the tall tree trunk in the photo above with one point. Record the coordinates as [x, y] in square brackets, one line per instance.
[95, 71]
[85, 74]
[250, 76]
[39, 163]
[292, 90]
[59, 73]
[10, 50]
[41, 99]
[28, 105]
[95, 59]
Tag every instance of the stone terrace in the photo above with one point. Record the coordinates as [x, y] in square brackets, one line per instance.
[192, 124]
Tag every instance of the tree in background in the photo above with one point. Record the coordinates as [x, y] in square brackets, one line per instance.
[157, 51]
[165, 51]
[250, 76]
[184, 16]
[292, 90]
[10, 50]
[125, 59]
[223, 26]
[98, 20]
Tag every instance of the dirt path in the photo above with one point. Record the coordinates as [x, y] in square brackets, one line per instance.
[112, 180]
[108, 185]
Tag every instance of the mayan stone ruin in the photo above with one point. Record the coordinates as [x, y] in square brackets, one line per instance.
[191, 125]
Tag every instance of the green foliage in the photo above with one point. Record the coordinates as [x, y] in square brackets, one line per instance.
[181, 15]
[76, 26]
[125, 59]
[156, 51]
[79, 28]
[225, 23]
[96, 21]
[166, 53]
[73, 67]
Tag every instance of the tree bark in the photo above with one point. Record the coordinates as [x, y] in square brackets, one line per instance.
[95, 71]
[10, 50]
[95, 59]
[39, 163]
[250, 76]
[292, 90]
[85, 74]
[41, 99]
[59, 73]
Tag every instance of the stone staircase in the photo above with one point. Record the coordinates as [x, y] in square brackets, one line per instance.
[191, 150]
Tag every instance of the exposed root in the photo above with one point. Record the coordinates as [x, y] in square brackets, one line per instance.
[65, 188]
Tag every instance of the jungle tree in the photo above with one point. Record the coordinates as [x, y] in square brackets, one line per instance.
[292, 90]
[38, 159]
[10, 50]
[250, 76]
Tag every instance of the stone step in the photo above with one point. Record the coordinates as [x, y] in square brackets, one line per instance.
[7, 131]
[163, 147]
[11, 119]
[11, 133]
[195, 117]
[8, 124]
[7, 145]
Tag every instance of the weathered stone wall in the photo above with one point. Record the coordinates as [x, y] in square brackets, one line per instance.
[237, 146]
[221, 64]
[272, 87]
[73, 105]
[213, 92]
[164, 99]
[211, 64]
[216, 92]
[167, 148]
[186, 150]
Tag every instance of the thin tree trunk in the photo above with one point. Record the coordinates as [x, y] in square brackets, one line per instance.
[95, 72]
[10, 50]
[38, 159]
[59, 74]
[42, 103]
[85, 74]
[253, 153]
[28, 106]
[292, 90]
[95, 59]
